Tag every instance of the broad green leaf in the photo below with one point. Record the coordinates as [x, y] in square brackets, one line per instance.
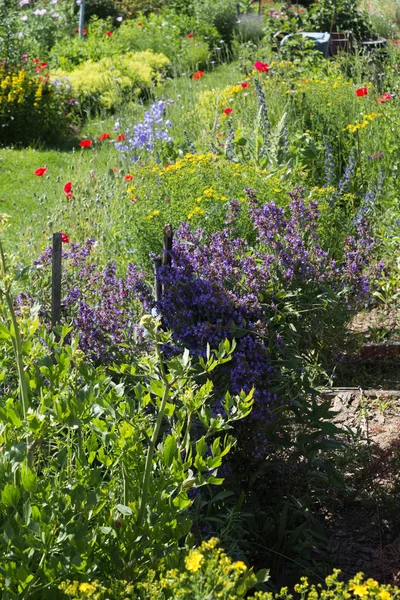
[124, 510]
[28, 479]
[10, 495]
[170, 450]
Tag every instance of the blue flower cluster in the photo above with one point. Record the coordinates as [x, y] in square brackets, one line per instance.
[144, 136]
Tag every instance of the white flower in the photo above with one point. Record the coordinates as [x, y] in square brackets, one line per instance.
[20, 35]
[23, 2]
[119, 19]
[24, 18]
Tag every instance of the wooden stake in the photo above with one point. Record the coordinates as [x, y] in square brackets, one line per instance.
[56, 279]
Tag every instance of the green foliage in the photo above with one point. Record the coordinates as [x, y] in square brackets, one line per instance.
[114, 81]
[340, 15]
[115, 454]
[166, 34]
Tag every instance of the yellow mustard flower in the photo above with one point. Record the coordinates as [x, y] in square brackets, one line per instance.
[384, 595]
[86, 587]
[193, 561]
[359, 590]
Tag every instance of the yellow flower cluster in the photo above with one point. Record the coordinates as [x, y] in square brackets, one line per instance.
[16, 88]
[364, 123]
[155, 213]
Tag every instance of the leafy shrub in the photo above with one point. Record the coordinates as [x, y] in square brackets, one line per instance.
[116, 456]
[112, 81]
[166, 34]
[223, 16]
[342, 15]
[32, 108]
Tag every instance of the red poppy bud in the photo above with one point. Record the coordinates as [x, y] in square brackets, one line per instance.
[64, 238]
[68, 187]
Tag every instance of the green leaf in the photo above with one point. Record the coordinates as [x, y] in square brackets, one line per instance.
[28, 479]
[10, 495]
[124, 510]
[170, 450]
[262, 575]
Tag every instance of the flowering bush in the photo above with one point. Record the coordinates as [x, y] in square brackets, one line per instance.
[111, 81]
[32, 108]
[208, 571]
[281, 298]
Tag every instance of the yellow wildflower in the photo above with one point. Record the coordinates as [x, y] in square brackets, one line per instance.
[85, 587]
[359, 590]
[239, 566]
[384, 595]
[193, 561]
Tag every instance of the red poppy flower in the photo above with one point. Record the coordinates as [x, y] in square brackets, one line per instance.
[121, 137]
[40, 172]
[228, 111]
[103, 136]
[198, 75]
[245, 84]
[362, 91]
[190, 36]
[396, 43]
[261, 67]
[36, 60]
[140, 24]
[85, 143]
[64, 238]
[68, 187]
[108, 33]
[128, 177]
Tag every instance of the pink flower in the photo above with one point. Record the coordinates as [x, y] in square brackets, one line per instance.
[261, 67]
[384, 98]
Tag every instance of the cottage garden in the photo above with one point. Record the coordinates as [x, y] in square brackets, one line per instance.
[211, 407]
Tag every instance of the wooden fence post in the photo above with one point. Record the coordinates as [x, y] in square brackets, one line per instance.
[56, 279]
[168, 235]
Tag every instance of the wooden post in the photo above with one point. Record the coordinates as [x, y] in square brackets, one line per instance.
[168, 235]
[56, 279]
[157, 285]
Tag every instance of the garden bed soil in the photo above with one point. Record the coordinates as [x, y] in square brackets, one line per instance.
[364, 531]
